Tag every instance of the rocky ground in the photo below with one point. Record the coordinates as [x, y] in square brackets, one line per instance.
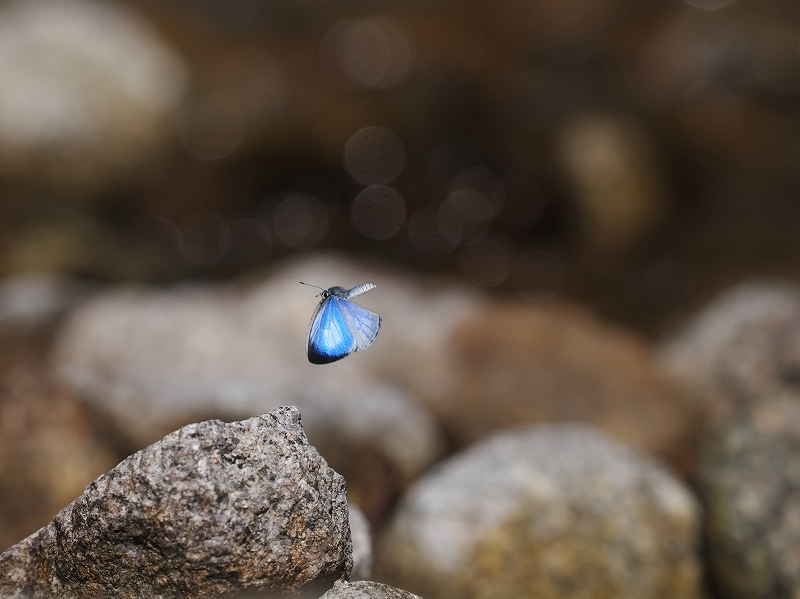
[582, 222]
[595, 464]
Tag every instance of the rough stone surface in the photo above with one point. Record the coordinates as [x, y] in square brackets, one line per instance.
[213, 508]
[549, 512]
[158, 359]
[749, 477]
[367, 590]
[518, 363]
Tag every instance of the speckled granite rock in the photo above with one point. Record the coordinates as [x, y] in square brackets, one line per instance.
[367, 590]
[549, 512]
[749, 478]
[213, 508]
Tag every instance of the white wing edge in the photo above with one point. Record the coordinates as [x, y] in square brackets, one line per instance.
[359, 290]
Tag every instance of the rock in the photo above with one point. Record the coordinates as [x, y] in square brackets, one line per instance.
[547, 512]
[367, 590]
[749, 478]
[362, 545]
[212, 508]
[699, 355]
[515, 363]
[741, 358]
[154, 359]
[89, 91]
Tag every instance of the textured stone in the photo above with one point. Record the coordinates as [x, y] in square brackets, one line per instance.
[210, 509]
[545, 512]
[749, 477]
[367, 590]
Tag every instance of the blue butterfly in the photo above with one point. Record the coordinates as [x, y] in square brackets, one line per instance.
[340, 327]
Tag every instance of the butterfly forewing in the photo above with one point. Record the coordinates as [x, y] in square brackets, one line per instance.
[330, 337]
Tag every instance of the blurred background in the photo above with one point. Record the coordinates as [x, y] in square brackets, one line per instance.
[635, 155]
[631, 157]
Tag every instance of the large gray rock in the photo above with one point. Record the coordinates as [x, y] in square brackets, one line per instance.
[213, 508]
[549, 512]
[367, 590]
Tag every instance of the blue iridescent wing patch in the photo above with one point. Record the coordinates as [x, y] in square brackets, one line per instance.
[339, 327]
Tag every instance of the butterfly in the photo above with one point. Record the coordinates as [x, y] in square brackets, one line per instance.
[339, 327]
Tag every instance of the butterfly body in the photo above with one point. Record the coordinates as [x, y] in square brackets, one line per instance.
[339, 327]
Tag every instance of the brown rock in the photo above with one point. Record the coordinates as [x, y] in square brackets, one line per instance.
[515, 363]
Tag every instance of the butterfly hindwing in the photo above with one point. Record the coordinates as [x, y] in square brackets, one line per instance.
[330, 335]
[364, 325]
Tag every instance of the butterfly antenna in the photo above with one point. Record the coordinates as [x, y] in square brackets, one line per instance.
[310, 285]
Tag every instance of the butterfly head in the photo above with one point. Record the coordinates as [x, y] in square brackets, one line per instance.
[326, 293]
